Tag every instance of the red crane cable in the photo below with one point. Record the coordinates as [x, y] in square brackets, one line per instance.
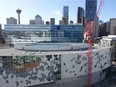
[90, 42]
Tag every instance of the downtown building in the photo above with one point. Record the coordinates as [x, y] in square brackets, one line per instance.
[42, 33]
[65, 17]
[11, 20]
[38, 20]
[91, 8]
[90, 13]
[80, 15]
[52, 21]
[104, 29]
[113, 26]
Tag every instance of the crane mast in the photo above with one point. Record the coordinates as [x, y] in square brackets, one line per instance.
[90, 29]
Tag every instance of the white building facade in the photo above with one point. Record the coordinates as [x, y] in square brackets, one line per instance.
[20, 68]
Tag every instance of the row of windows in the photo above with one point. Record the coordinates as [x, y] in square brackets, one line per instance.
[48, 34]
[21, 63]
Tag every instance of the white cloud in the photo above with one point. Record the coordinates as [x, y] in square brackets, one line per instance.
[56, 12]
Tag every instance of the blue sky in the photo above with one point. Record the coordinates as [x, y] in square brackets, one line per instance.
[50, 8]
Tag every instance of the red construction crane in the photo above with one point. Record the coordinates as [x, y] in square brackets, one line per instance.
[90, 29]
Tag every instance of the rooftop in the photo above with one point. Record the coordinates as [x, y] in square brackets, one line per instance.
[110, 37]
[9, 51]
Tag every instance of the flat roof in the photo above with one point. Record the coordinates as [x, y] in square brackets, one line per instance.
[12, 51]
[109, 37]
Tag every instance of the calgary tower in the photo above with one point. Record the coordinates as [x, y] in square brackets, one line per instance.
[18, 12]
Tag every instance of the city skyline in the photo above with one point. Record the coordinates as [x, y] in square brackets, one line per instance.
[49, 9]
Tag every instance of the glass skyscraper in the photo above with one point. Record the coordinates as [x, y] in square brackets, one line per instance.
[80, 15]
[91, 7]
[66, 13]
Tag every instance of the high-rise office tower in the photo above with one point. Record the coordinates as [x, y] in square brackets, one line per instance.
[38, 20]
[80, 15]
[52, 21]
[11, 20]
[18, 12]
[91, 7]
[66, 13]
